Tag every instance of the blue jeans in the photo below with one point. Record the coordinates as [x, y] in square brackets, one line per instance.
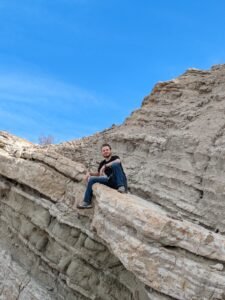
[117, 179]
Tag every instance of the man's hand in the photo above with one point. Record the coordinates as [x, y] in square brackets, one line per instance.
[89, 174]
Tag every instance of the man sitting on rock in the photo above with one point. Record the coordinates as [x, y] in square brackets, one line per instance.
[110, 173]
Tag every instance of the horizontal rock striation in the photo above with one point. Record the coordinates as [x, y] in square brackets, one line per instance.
[16, 283]
[44, 241]
[163, 240]
[172, 147]
[175, 257]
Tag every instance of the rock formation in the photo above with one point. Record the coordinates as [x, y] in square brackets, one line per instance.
[163, 240]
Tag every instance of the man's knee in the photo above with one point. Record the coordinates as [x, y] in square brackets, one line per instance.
[97, 179]
[92, 179]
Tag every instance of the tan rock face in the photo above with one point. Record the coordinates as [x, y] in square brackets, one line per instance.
[16, 283]
[172, 147]
[46, 246]
[162, 252]
[164, 240]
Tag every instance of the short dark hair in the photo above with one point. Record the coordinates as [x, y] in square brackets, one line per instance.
[106, 145]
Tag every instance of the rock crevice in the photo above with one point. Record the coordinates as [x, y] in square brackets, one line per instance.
[163, 240]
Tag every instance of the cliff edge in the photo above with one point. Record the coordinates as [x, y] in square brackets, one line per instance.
[163, 240]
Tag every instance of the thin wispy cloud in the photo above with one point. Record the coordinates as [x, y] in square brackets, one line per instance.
[39, 87]
[73, 67]
[48, 106]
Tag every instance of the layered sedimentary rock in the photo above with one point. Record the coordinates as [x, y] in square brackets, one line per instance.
[174, 257]
[172, 147]
[16, 282]
[163, 240]
[48, 250]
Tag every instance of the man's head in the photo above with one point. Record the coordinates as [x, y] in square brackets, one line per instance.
[106, 150]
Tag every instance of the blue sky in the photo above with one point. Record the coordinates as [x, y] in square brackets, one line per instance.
[69, 68]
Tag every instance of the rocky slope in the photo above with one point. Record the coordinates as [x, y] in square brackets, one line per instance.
[48, 250]
[172, 147]
[163, 240]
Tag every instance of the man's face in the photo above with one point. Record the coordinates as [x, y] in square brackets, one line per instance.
[106, 152]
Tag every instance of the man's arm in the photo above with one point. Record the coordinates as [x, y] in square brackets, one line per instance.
[108, 165]
[93, 173]
[88, 174]
[117, 160]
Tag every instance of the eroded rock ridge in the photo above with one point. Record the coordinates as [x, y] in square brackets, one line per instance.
[163, 240]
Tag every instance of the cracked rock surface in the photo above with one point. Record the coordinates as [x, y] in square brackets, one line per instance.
[173, 147]
[163, 240]
[16, 283]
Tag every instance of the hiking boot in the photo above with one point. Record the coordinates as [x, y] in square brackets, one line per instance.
[84, 205]
[121, 189]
